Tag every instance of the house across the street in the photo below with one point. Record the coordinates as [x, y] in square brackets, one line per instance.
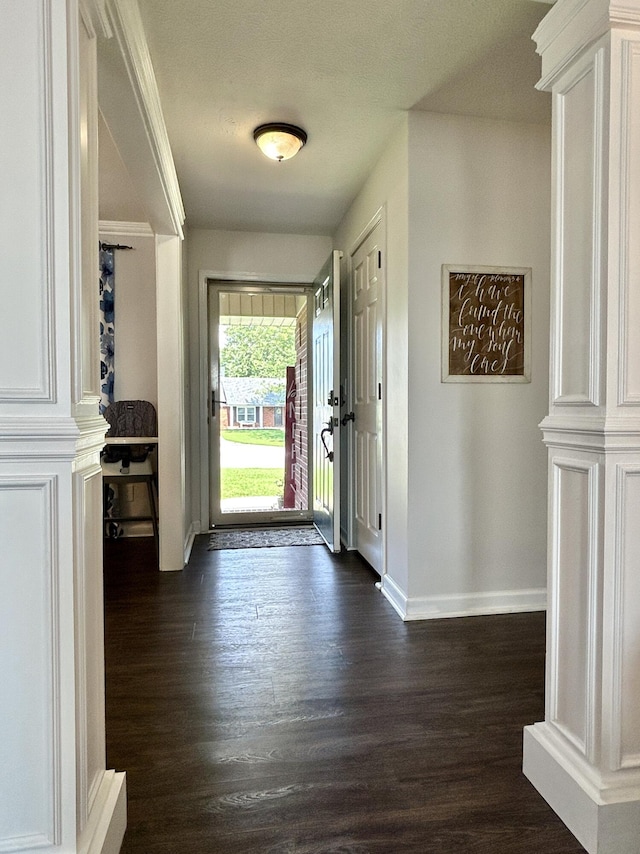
[252, 402]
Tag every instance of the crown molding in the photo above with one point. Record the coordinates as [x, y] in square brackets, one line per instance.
[129, 229]
[572, 25]
[128, 31]
[624, 13]
[597, 433]
[95, 11]
[36, 437]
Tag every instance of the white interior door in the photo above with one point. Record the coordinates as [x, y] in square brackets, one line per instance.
[326, 402]
[367, 295]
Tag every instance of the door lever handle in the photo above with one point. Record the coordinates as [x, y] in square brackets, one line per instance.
[220, 402]
[329, 430]
[350, 416]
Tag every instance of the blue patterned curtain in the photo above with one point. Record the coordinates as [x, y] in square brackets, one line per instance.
[107, 301]
[107, 349]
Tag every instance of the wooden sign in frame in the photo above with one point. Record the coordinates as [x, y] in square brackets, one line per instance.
[486, 324]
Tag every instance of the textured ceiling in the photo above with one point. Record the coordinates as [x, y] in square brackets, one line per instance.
[345, 70]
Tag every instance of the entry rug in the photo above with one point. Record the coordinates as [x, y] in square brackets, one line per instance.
[264, 538]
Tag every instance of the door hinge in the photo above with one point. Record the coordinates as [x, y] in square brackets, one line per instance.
[379, 260]
[379, 391]
[379, 521]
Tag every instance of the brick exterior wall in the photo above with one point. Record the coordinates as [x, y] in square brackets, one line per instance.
[269, 416]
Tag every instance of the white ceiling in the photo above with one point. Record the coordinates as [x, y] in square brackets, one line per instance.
[345, 70]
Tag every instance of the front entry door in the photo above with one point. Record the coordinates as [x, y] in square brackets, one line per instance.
[259, 424]
[367, 294]
[326, 402]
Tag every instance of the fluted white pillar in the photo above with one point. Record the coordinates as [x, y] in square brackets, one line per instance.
[585, 757]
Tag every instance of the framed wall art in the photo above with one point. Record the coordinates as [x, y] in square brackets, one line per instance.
[486, 324]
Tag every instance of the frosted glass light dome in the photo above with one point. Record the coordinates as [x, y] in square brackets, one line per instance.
[279, 141]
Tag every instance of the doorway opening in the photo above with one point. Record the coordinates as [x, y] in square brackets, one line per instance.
[259, 406]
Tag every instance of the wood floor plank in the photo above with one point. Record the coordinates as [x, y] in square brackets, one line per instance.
[270, 700]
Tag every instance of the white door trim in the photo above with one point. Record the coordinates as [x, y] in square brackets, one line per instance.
[201, 408]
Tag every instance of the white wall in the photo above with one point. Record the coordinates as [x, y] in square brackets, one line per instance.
[294, 257]
[387, 187]
[243, 255]
[466, 468]
[479, 194]
[136, 370]
[117, 196]
[175, 527]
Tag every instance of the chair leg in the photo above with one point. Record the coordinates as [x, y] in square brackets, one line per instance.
[108, 527]
[154, 515]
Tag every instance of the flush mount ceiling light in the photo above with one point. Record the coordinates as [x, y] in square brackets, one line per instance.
[279, 141]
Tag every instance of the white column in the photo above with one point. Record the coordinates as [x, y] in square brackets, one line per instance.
[585, 757]
[171, 397]
[58, 794]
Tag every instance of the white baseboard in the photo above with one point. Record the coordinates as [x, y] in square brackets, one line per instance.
[462, 605]
[191, 535]
[108, 821]
[604, 820]
[390, 590]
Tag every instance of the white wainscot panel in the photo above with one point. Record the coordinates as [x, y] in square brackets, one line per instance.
[630, 224]
[571, 594]
[576, 154]
[627, 663]
[29, 711]
[90, 652]
[26, 160]
[89, 367]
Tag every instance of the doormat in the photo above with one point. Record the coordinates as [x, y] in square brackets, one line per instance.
[264, 538]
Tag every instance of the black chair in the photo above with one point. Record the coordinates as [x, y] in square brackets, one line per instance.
[130, 461]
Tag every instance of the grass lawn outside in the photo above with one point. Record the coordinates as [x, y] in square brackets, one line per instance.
[251, 483]
[255, 436]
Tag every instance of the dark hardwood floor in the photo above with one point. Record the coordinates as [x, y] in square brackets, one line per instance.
[270, 700]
